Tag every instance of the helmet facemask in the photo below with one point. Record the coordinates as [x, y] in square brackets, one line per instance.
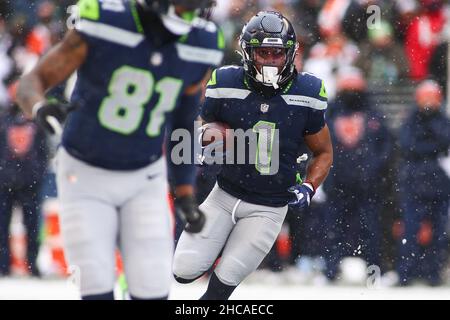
[269, 64]
[272, 65]
[179, 24]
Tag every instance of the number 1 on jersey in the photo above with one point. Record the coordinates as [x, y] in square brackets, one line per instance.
[266, 134]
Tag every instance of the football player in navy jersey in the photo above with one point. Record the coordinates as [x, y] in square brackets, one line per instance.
[140, 65]
[245, 210]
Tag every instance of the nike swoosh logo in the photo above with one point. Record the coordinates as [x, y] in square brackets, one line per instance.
[152, 176]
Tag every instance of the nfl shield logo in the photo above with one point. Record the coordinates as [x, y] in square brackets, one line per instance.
[264, 108]
[156, 59]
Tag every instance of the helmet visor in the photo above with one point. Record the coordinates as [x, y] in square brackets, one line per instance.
[269, 56]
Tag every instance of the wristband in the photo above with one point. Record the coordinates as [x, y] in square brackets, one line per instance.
[36, 108]
[310, 185]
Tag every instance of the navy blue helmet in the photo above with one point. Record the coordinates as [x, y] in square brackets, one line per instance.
[268, 47]
[179, 24]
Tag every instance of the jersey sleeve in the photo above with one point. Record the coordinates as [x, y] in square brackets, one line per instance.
[87, 15]
[112, 22]
[316, 116]
[205, 47]
[210, 109]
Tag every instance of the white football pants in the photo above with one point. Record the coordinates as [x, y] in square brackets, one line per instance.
[246, 232]
[105, 209]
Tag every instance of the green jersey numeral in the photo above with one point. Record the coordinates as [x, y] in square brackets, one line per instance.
[266, 134]
[130, 90]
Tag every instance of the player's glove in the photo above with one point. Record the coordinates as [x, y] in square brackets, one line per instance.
[303, 194]
[211, 153]
[50, 116]
[188, 210]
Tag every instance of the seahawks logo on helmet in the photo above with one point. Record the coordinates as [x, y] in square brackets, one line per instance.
[270, 30]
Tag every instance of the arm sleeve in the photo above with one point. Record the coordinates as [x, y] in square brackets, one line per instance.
[211, 105]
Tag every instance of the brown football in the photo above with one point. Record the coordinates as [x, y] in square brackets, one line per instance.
[213, 132]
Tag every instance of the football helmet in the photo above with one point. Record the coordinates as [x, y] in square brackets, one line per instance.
[268, 47]
[179, 24]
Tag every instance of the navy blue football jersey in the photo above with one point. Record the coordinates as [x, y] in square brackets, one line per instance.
[127, 89]
[281, 122]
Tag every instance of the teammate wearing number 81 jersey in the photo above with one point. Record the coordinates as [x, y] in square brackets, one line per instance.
[140, 65]
[245, 210]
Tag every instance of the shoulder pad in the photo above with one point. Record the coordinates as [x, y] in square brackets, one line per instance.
[307, 91]
[313, 86]
[226, 76]
[204, 44]
[109, 20]
[227, 83]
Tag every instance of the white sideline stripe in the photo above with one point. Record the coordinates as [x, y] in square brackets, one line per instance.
[228, 93]
[200, 55]
[305, 101]
[110, 33]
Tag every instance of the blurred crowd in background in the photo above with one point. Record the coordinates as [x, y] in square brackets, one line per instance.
[386, 200]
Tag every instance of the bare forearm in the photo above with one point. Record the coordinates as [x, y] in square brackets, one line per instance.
[55, 67]
[322, 149]
[318, 169]
[30, 91]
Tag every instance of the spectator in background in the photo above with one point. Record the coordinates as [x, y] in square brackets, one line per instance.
[6, 63]
[328, 56]
[403, 12]
[424, 188]
[39, 39]
[422, 37]
[347, 16]
[25, 8]
[305, 22]
[232, 15]
[381, 59]
[439, 60]
[354, 187]
[22, 57]
[354, 22]
[23, 161]
[331, 15]
[335, 50]
[4, 9]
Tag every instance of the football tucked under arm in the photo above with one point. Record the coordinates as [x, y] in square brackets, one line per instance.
[214, 132]
[213, 137]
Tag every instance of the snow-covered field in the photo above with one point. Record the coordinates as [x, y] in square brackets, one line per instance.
[14, 288]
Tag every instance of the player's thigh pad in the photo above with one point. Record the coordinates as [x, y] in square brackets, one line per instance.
[196, 253]
[146, 241]
[249, 242]
[89, 229]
